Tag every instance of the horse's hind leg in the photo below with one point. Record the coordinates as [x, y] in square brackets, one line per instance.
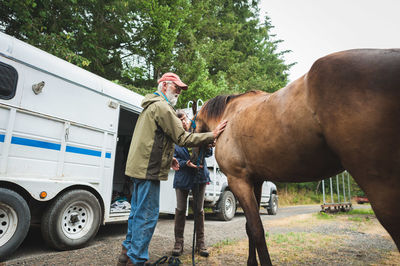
[243, 190]
[384, 196]
[252, 247]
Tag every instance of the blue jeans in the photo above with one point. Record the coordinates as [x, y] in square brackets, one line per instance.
[143, 218]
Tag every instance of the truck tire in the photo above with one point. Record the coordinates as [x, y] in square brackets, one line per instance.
[273, 205]
[15, 219]
[72, 220]
[226, 206]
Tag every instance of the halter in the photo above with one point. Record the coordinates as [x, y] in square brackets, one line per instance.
[193, 125]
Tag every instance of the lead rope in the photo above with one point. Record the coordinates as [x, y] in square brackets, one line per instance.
[195, 203]
[193, 126]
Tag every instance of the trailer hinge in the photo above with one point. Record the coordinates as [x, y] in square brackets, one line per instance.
[112, 104]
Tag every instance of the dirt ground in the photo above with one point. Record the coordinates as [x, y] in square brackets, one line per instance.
[298, 240]
[307, 240]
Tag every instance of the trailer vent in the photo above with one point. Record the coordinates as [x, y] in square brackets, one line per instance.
[8, 81]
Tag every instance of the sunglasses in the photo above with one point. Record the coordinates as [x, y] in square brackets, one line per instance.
[176, 86]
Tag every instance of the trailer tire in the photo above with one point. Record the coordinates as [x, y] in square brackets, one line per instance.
[272, 208]
[15, 219]
[72, 220]
[226, 206]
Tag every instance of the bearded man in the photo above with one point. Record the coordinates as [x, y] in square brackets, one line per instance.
[149, 160]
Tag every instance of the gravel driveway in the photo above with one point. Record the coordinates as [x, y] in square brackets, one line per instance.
[105, 248]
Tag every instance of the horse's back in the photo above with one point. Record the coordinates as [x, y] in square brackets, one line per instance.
[359, 70]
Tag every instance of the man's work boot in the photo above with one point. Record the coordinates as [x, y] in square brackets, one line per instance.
[180, 220]
[200, 245]
[123, 258]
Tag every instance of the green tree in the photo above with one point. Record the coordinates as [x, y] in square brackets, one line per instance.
[91, 34]
[157, 25]
[234, 46]
[216, 47]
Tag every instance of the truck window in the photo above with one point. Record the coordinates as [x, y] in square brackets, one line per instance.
[8, 81]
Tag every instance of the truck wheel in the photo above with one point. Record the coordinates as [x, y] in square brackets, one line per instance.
[227, 206]
[15, 219]
[273, 205]
[72, 220]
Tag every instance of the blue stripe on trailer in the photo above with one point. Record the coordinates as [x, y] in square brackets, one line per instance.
[53, 146]
[83, 151]
[35, 143]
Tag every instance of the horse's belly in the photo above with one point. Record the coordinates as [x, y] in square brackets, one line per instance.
[295, 163]
[299, 170]
[277, 157]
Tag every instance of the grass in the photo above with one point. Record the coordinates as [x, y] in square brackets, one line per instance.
[356, 219]
[295, 247]
[357, 215]
[225, 242]
[361, 212]
[324, 216]
[301, 246]
[301, 197]
[288, 238]
[308, 247]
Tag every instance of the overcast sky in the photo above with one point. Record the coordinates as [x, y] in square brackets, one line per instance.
[314, 28]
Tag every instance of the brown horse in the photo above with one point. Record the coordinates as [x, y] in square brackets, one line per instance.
[343, 114]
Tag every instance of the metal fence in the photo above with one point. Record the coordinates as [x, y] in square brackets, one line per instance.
[342, 201]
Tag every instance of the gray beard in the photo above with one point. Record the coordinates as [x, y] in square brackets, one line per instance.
[171, 97]
[173, 101]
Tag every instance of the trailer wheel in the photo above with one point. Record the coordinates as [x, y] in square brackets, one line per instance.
[72, 220]
[227, 206]
[272, 208]
[15, 219]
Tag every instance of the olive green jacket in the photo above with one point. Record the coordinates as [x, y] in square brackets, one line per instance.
[152, 146]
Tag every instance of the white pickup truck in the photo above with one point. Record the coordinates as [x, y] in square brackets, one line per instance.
[219, 197]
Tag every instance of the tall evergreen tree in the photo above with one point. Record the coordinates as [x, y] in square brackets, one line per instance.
[216, 46]
[238, 50]
[88, 33]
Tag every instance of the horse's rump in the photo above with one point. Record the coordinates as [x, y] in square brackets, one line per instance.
[355, 95]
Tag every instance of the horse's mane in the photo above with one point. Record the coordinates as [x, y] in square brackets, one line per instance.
[215, 107]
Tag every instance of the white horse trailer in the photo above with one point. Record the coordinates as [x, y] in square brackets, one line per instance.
[64, 137]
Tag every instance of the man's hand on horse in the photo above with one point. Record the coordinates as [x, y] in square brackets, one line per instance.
[175, 164]
[219, 129]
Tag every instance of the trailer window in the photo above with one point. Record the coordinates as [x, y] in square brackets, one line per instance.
[8, 81]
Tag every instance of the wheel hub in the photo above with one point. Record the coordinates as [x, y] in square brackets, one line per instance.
[8, 223]
[76, 220]
[228, 205]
